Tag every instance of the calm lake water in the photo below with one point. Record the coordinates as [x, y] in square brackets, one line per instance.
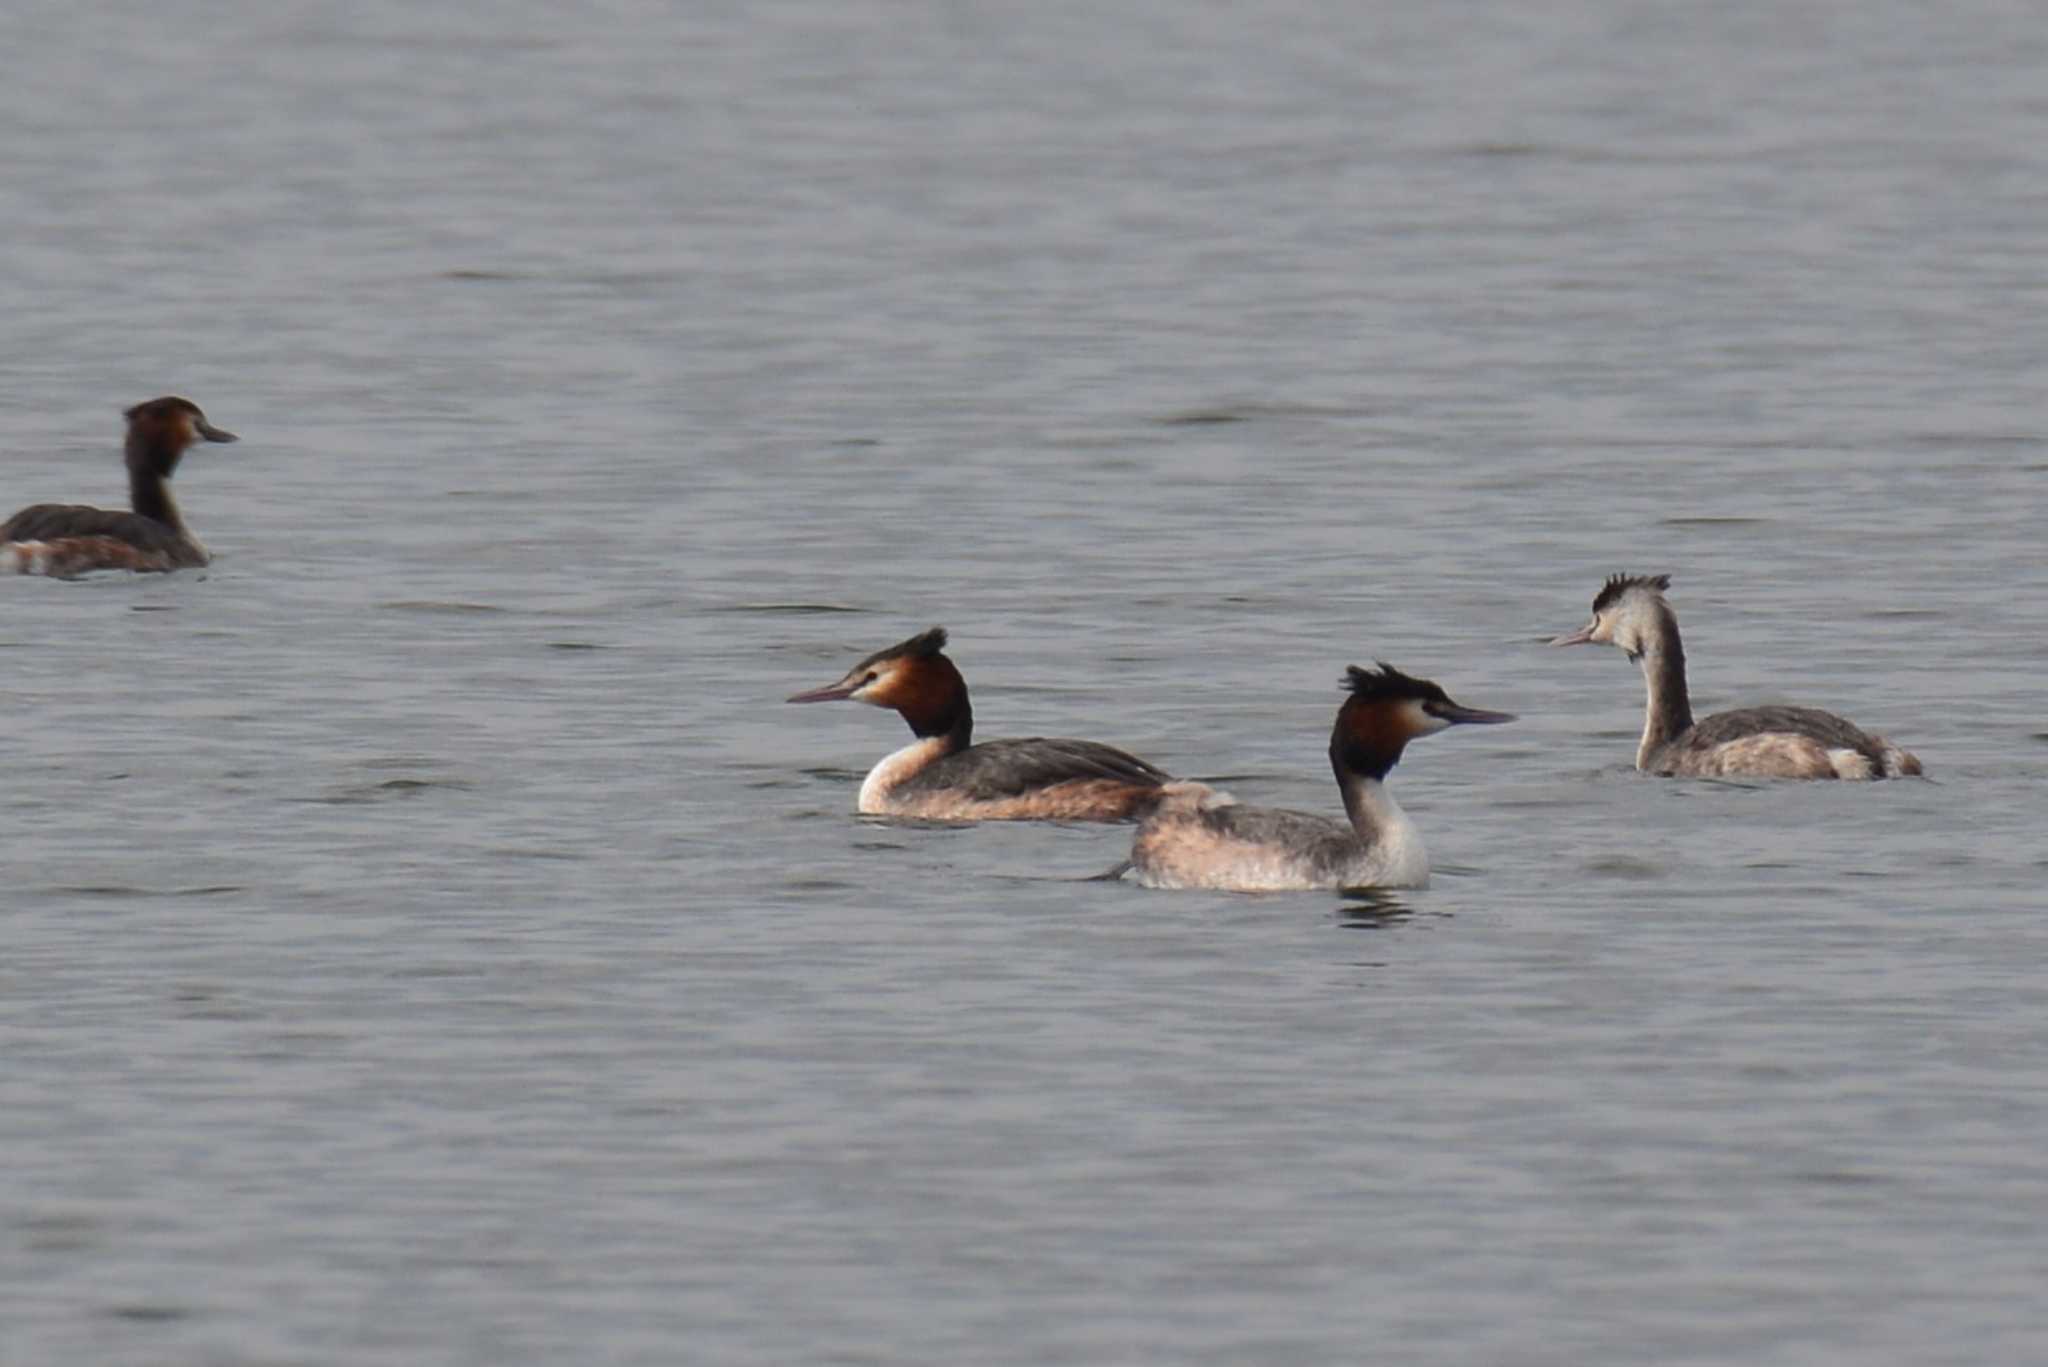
[431, 940]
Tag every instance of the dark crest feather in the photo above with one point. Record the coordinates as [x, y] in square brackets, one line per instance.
[922, 646]
[1387, 685]
[1618, 584]
[170, 403]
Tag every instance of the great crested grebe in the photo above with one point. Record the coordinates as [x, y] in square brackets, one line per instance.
[65, 539]
[1764, 742]
[1199, 839]
[942, 777]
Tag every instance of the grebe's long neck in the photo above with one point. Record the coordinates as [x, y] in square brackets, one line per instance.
[1363, 751]
[1374, 814]
[149, 490]
[960, 734]
[1392, 852]
[937, 706]
[1668, 713]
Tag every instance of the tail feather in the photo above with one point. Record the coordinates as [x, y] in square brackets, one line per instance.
[1851, 763]
[1877, 759]
[67, 557]
[1187, 795]
[1898, 763]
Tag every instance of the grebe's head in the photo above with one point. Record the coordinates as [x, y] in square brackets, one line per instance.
[1386, 710]
[161, 430]
[1629, 612]
[912, 677]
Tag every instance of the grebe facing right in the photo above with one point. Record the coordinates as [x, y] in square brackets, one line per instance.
[66, 539]
[1762, 742]
[1200, 839]
[941, 777]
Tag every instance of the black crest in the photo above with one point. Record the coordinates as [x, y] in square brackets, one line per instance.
[1618, 584]
[1389, 685]
[164, 408]
[922, 646]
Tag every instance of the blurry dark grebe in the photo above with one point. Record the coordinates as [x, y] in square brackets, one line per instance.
[65, 539]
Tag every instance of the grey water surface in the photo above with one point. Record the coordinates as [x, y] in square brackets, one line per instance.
[429, 939]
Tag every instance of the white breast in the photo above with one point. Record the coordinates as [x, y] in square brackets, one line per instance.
[894, 769]
[1397, 858]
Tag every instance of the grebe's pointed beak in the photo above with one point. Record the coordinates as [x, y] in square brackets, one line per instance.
[1468, 716]
[212, 433]
[1582, 637]
[836, 693]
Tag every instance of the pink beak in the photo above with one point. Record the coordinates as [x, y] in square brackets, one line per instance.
[1583, 636]
[1468, 716]
[835, 693]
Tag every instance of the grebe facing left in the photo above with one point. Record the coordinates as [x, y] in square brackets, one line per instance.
[940, 776]
[66, 539]
[1200, 839]
[1762, 742]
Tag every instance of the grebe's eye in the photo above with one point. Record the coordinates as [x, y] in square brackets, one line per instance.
[872, 676]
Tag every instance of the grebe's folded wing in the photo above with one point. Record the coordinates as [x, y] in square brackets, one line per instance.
[1277, 827]
[30, 523]
[1006, 768]
[52, 521]
[1184, 844]
[1831, 731]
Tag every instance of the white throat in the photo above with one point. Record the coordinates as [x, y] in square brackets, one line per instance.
[185, 528]
[1395, 854]
[894, 769]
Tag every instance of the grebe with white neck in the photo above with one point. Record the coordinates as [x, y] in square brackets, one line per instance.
[1631, 613]
[943, 776]
[1201, 839]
